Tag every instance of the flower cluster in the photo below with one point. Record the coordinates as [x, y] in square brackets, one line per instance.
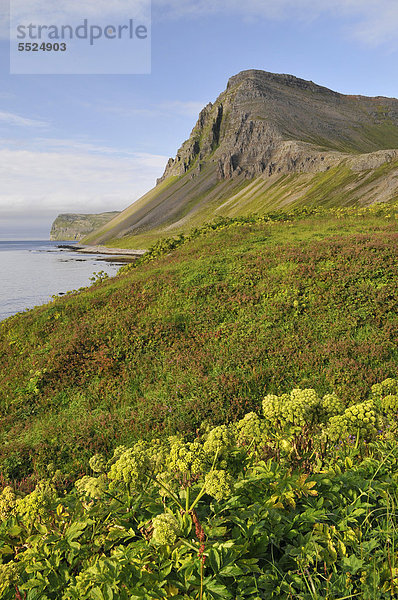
[219, 484]
[359, 419]
[331, 406]
[8, 502]
[220, 441]
[302, 407]
[385, 388]
[272, 408]
[131, 467]
[186, 457]
[165, 529]
[389, 404]
[98, 463]
[251, 431]
[37, 504]
[91, 487]
[297, 409]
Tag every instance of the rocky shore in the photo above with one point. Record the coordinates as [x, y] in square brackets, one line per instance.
[119, 252]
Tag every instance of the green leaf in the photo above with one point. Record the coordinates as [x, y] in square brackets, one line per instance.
[75, 530]
[231, 571]
[96, 594]
[215, 560]
[6, 550]
[217, 590]
[14, 531]
[352, 564]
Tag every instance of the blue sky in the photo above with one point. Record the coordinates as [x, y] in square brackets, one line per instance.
[88, 143]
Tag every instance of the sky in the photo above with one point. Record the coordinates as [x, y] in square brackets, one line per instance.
[92, 143]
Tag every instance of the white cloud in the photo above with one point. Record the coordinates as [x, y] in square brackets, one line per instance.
[371, 21]
[187, 109]
[70, 11]
[190, 108]
[13, 119]
[62, 9]
[73, 178]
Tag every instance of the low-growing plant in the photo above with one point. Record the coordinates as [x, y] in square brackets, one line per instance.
[232, 513]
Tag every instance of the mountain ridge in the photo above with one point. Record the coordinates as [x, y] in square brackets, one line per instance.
[263, 127]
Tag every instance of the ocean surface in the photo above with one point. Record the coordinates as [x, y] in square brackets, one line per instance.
[31, 272]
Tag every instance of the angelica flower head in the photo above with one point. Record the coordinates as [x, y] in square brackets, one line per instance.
[251, 430]
[186, 457]
[165, 529]
[219, 484]
[131, 467]
[220, 441]
[97, 463]
[37, 504]
[8, 502]
[91, 487]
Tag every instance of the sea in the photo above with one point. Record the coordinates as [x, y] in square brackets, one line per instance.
[31, 272]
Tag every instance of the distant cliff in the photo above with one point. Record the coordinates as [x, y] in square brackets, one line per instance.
[74, 227]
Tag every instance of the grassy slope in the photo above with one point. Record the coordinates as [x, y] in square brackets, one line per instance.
[201, 333]
[339, 186]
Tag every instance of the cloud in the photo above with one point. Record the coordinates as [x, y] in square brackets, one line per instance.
[370, 21]
[70, 11]
[190, 108]
[13, 119]
[187, 109]
[72, 177]
[63, 9]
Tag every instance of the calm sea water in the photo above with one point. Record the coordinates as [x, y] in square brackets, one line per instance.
[31, 272]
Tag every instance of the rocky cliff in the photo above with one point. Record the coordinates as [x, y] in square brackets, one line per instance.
[74, 227]
[263, 128]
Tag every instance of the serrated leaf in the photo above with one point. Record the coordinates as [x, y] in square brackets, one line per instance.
[96, 594]
[214, 560]
[231, 571]
[75, 530]
[217, 590]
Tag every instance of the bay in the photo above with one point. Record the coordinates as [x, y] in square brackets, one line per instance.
[32, 271]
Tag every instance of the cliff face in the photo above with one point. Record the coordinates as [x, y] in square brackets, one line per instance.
[246, 129]
[74, 227]
[262, 128]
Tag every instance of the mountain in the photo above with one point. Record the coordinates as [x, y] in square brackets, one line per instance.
[73, 227]
[269, 141]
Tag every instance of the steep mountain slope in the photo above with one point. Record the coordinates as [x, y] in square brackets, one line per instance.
[268, 141]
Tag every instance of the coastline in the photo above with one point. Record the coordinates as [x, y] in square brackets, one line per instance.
[119, 252]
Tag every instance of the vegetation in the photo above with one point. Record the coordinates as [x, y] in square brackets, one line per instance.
[299, 502]
[241, 308]
[338, 186]
[149, 448]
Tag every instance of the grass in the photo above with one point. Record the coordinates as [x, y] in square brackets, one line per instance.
[199, 333]
[338, 186]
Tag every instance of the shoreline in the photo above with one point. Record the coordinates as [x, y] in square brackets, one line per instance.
[117, 252]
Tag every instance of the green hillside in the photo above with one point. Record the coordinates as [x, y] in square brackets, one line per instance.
[339, 186]
[218, 421]
[202, 332]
